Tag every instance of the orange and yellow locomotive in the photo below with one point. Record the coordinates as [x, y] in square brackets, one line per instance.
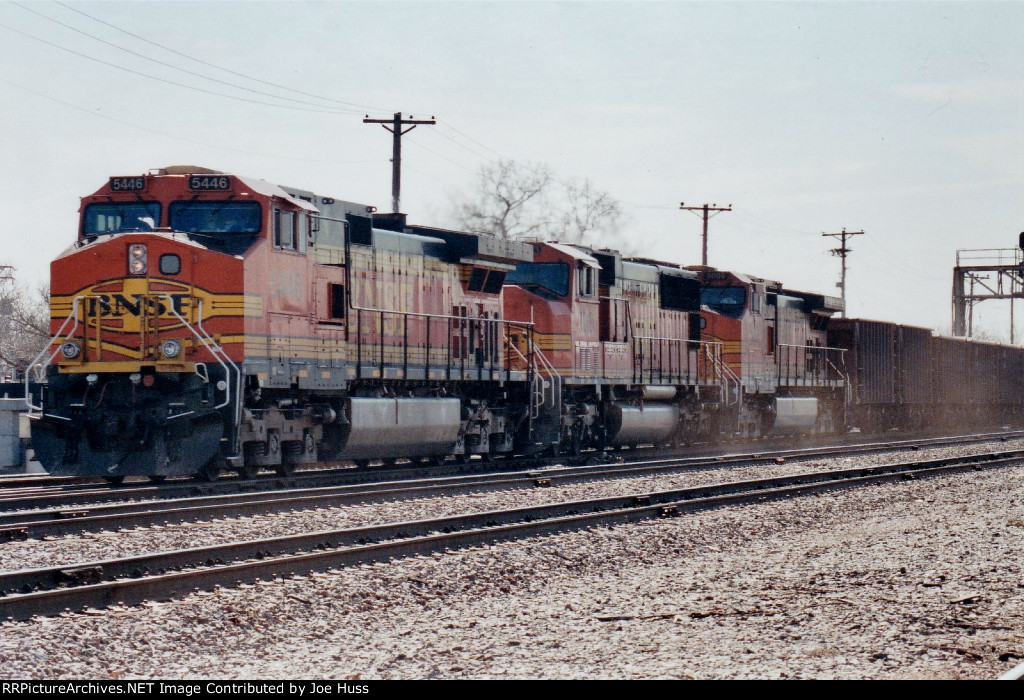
[204, 321]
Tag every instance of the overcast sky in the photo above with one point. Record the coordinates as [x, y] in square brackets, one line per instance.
[901, 119]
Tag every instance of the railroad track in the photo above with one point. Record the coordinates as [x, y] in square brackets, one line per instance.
[62, 521]
[91, 501]
[1014, 674]
[20, 481]
[132, 580]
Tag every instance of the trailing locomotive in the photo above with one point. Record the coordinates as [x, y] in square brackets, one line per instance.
[204, 321]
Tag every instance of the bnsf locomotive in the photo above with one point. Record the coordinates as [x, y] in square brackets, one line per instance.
[204, 321]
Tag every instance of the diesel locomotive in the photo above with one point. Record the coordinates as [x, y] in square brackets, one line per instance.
[205, 321]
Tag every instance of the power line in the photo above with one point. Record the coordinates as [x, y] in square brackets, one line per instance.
[173, 136]
[174, 67]
[467, 136]
[348, 105]
[457, 164]
[785, 230]
[638, 205]
[359, 108]
[463, 146]
[247, 77]
[162, 80]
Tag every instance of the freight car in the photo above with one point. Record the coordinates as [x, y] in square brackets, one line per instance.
[905, 377]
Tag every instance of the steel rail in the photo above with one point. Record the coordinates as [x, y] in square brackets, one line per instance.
[98, 495]
[93, 490]
[19, 480]
[1014, 674]
[129, 580]
[22, 526]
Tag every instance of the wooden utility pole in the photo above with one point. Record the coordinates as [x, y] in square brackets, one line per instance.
[842, 251]
[397, 123]
[705, 208]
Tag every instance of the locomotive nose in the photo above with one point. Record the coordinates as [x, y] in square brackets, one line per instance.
[143, 312]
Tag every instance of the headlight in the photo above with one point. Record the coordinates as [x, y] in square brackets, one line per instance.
[137, 259]
[170, 348]
[70, 350]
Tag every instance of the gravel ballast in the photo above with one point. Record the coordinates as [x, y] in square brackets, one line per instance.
[919, 579]
[86, 547]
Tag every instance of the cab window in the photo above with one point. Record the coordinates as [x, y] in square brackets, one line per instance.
[285, 229]
[208, 216]
[541, 278]
[120, 217]
[728, 301]
[585, 280]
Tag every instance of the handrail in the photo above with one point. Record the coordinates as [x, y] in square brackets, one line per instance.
[811, 347]
[218, 352]
[420, 314]
[54, 340]
[211, 345]
[556, 378]
[847, 384]
[688, 344]
[490, 339]
[820, 355]
[537, 379]
[727, 373]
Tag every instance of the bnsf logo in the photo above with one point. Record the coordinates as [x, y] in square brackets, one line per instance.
[119, 305]
[124, 306]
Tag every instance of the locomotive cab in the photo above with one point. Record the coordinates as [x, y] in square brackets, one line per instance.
[775, 345]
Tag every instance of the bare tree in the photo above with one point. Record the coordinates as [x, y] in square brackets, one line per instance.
[507, 201]
[24, 324]
[591, 217]
[512, 200]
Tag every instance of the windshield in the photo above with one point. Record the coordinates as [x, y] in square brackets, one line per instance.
[550, 277]
[119, 217]
[728, 301]
[216, 217]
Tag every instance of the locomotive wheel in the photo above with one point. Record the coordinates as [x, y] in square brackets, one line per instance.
[249, 471]
[115, 480]
[575, 445]
[361, 463]
[210, 472]
[825, 424]
[285, 469]
[157, 478]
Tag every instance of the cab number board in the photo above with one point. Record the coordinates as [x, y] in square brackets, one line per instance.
[209, 182]
[127, 184]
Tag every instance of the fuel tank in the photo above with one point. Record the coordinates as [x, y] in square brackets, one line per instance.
[795, 414]
[413, 427]
[634, 425]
